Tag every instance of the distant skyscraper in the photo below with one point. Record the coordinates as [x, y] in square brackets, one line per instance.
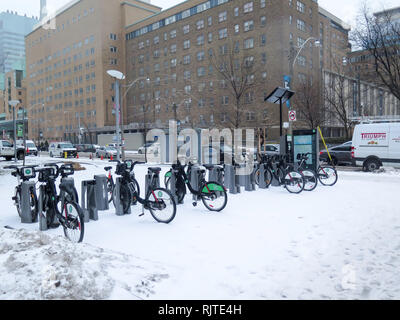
[43, 9]
[13, 29]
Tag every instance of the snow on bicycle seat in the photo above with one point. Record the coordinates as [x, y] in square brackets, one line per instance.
[155, 170]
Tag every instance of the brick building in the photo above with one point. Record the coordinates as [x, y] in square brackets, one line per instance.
[67, 60]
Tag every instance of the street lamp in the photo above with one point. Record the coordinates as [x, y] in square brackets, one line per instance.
[317, 43]
[118, 76]
[14, 103]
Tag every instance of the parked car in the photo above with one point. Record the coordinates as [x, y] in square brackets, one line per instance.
[106, 152]
[80, 147]
[89, 148]
[376, 145]
[270, 149]
[340, 154]
[7, 150]
[58, 149]
[31, 148]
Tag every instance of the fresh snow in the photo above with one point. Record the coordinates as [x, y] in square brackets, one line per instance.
[338, 242]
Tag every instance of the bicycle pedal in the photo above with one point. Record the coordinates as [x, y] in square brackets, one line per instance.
[194, 204]
[141, 215]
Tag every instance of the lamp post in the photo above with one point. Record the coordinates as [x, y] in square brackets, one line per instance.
[14, 103]
[24, 132]
[118, 76]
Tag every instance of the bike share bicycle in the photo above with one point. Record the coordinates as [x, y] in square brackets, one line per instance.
[61, 209]
[212, 194]
[158, 201]
[310, 177]
[277, 167]
[25, 174]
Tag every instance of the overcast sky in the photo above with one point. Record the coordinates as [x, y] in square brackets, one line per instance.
[344, 9]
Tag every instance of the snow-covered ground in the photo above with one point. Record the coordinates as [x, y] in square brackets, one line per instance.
[341, 242]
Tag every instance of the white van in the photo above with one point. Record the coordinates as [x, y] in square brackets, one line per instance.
[58, 149]
[30, 147]
[376, 145]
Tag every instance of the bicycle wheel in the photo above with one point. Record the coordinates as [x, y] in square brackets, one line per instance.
[110, 190]
[34, 205]
[294, 182]
[135, 191]
[17, 200]
[180, 189]
[310, 180]
[162, 205]
[327, 176]
[125, 197]
[214, 196]
[73, 222]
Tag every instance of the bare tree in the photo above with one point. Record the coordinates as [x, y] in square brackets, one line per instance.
[308, 103]
[237, 71]
[380, 36]
[338, 96]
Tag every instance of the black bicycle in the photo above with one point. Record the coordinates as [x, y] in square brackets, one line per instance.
[111, 185]
[61, 209]
[277, 167]
[24, 174]
[212, 194]
[310, 177]
[158, 201]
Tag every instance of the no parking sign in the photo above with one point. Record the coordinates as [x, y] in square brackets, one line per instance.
[292, 116]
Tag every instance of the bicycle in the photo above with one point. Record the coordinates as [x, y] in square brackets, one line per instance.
[24, 174]
[310, 177]
[111, 185]
[277, 168]
[60, 209]
[212, 194]
[158, 201]
[327, 175]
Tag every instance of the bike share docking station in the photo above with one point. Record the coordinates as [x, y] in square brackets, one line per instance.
[94, 197]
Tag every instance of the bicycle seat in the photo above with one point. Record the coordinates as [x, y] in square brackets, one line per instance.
[155, 170]
[107, 168]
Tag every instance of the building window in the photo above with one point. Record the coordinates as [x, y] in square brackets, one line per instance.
[210, 37]
[200, 24]
[113, 36]
[248, 7]
[222, 16]
[249, 43]
[173, 34]
[300, 6]
[301, 25]
[201, 71]
[301, 61]
[263, 40]
[113, 49]
[236, 12]
[200, 40]
[237, 28]
[186, 44]
[209, 21]
[263, 21]
[262, 3]
[186, 29]
[200, 56]
[186, 59]
[248, 25]
[223, 33]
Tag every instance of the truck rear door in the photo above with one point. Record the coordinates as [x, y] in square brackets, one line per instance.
[394, 145]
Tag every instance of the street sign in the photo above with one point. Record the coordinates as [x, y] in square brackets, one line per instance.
[20, 132]
[292, 116]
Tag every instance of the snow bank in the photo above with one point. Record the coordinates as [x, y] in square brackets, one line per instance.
[36, 266]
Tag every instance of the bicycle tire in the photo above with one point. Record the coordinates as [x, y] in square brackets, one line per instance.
[17, 200]
[125, 197]
[73, 222]
[34, 205]
[293, 178]
[153, 204]
[310, 180]
[110, 190]
[323, 175]
[214, 189]
[136, 192]
[180, 190]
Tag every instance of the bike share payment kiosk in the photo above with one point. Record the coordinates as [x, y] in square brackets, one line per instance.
[304, 141]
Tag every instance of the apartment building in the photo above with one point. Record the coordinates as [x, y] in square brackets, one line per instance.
[171, 61]
[334, 39]
[68, 56]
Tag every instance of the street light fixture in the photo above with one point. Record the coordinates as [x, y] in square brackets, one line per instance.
[14, 103]
[118, 76]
